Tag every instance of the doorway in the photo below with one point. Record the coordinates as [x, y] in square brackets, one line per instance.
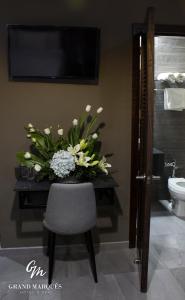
[143, 64]
[167, 204]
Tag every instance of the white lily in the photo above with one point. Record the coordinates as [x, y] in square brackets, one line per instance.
[103, 165]
[83, 144]
[73, 150]
[85, 161]
[82, 160]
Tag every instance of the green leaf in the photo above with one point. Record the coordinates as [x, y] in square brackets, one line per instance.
[39, 138]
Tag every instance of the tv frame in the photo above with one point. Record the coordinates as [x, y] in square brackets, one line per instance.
[51, 79]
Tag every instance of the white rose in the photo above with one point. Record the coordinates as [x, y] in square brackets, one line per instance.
[60, 131]
[94, 136]
[30, 125]
[27, 155]
[75, 122]
[99, 110]
[88, 108]
[47, 131]
[37, 168]
[32, 129]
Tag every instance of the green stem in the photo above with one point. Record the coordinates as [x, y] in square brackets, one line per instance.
[91, 124]
[82, 119]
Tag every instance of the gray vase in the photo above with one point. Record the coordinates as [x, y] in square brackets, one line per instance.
[69, 180]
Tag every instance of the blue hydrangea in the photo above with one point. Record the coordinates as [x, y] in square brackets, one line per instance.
[62, 163]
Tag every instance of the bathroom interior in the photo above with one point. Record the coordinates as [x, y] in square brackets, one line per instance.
[168, 203]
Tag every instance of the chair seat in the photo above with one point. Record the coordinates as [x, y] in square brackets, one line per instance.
[67, 230]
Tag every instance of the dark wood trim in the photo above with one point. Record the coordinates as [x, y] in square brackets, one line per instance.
[135, 136]
[149, 146]
[140, 186]
[160, 29]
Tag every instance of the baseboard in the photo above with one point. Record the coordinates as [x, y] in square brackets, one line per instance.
[39, 250]
[114, 245]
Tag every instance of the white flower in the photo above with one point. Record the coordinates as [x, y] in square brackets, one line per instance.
[83, 160]
[83, 144]
[33, 140]
[37, 168]
[99, 110]
[28, 136]
[60, 131]
[32, 129]
[47, 131]
[62, 163]
[27, 155]
[74, 150]
[88, 108]
[30, 125]
[94, 136]
[103, 165]
[75, 122]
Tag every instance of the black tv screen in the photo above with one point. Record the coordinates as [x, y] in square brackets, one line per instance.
[64, 54]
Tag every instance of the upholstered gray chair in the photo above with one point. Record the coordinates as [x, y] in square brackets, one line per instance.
[71, 209]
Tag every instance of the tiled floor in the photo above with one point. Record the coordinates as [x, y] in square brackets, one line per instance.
[118, 277]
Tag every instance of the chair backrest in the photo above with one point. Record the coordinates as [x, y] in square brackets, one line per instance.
[71, 208]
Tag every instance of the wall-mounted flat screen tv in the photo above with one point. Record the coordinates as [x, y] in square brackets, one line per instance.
[50, 53]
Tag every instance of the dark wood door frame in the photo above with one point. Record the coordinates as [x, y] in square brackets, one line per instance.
[142, 142]
[160, 29]
[149, 102]
[137, 30]
[135, 136]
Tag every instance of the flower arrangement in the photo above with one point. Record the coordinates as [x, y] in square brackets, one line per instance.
[77, 153]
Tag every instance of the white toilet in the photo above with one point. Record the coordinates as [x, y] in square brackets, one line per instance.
[176, 187]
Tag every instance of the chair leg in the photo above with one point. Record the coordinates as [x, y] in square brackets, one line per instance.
[48, 242]
[51, 253]
[86, 242]
[90, 247]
